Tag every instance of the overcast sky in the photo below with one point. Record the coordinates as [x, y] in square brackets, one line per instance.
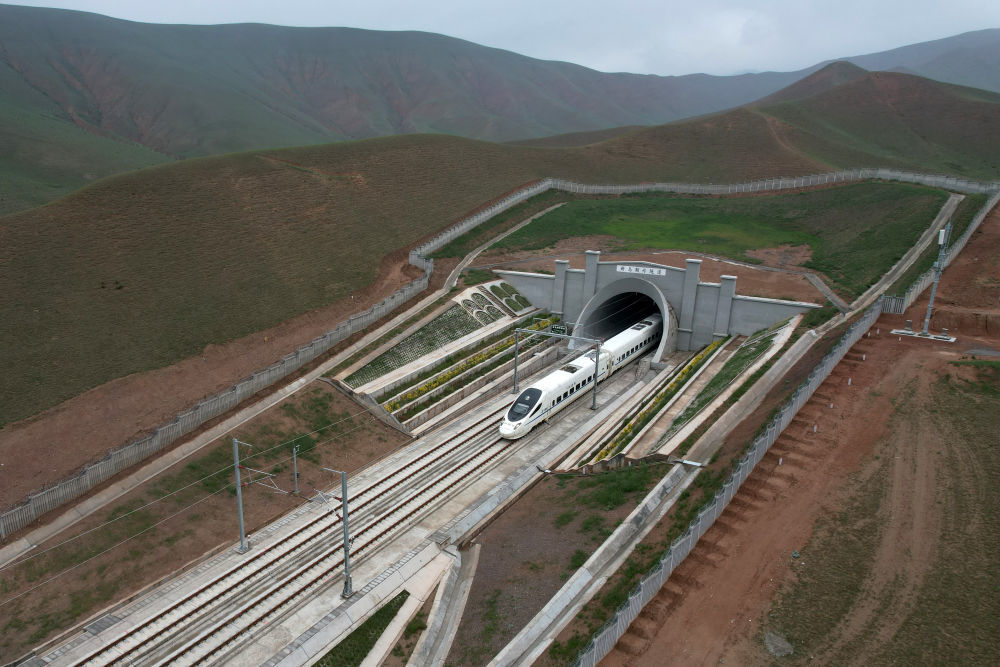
[665, 37]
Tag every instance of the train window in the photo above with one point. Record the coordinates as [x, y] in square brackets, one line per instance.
[523, 404]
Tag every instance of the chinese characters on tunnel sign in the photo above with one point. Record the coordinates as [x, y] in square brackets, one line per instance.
[645, 270]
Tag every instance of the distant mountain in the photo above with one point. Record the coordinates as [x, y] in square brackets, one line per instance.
[892, 119]
[83, 96]
[197, 90]
[970, 59]
[118, 95]
[574, 139]
[838, 117]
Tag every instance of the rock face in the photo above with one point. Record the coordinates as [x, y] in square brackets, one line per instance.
[777, 645]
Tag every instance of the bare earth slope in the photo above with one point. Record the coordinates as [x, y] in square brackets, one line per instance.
[869, 503]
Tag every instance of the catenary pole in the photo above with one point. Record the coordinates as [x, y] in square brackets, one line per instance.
[239, 497]
[348, 590]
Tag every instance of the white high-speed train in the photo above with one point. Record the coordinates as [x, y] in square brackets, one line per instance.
[561, 387]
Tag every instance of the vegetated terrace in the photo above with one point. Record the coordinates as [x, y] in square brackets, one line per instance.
[855, 233]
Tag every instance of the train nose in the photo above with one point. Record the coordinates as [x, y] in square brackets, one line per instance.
[507, 429]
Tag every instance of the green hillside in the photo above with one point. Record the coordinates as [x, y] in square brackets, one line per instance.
[47, 158]
[83, 96]
[140, 270]
[188, 91]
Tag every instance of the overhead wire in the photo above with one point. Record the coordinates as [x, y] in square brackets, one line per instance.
[198, 481]
[174, 492]
[113, 546]
[148, 528]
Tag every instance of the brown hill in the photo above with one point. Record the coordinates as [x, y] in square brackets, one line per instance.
[577, 139]
[895, 119]
[829, 77]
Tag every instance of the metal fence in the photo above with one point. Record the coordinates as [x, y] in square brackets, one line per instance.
[606, 638]
[133, 452]
[897, 305]
[783, 183]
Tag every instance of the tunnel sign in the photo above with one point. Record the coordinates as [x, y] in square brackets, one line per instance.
[559, 329]
[644, 270]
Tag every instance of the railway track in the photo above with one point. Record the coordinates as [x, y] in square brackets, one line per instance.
[213, 620]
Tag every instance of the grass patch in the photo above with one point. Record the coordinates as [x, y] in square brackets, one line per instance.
[466, 243]
[565, 518]
[856, 232]
[608, 490]
[491, 617]
[817, 316]
[477, 276]
[356, 646]
[839, 558]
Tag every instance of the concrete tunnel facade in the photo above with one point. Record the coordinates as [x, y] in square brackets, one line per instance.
[592, 301]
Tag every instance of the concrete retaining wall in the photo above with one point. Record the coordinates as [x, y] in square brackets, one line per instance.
[531, 365]
[704, 311]
[383, 395]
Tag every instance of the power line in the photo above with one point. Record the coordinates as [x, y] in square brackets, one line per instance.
[174, 492]
[113, 546]
[148, 528]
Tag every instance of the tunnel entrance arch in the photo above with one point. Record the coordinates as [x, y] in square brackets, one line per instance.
[622, 303]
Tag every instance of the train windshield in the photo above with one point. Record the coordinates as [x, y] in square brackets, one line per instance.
[523, 404]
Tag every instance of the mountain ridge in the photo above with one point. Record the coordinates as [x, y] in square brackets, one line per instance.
[83, 96]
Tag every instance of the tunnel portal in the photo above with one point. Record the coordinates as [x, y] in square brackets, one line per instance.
[622, 304]
[616, 314]
[605, 297]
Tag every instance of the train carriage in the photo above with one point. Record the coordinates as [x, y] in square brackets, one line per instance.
[550, 394]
